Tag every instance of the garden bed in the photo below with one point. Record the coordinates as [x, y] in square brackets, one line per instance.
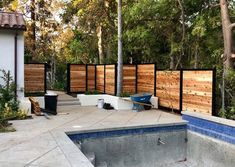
[117, 102]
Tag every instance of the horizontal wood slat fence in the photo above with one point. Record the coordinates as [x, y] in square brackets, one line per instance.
[168, 89]
[35, 78]
[192, 90]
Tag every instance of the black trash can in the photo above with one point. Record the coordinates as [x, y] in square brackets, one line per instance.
[51, 103]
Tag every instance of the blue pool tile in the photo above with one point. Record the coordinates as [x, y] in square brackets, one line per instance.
[122, 132]
[213, 129]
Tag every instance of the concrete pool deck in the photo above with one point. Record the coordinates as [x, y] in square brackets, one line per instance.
[41, 142]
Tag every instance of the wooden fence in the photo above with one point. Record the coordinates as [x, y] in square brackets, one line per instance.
[35, 78]
[100, 79]
[168, 89]
[110, 79]
[91, 77]
[191, 90]
[129, 79]
[145, 78]
[198, 91]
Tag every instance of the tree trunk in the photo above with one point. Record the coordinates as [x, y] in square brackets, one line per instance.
[120, 58]
[227, 35]
[108, 51]
[33, 31]
[228, 42]
[172, 63]
[196, 57]
[172, 57]
[100, 44]
[181, 4]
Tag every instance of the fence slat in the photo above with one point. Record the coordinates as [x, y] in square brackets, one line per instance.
[91, 77]
[110, 79]
[100, 78]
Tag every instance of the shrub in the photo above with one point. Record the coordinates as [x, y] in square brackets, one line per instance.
[124, 94]
[59, 86]
[9, 106]
[229, 111]
[7, 92]
[92, 92]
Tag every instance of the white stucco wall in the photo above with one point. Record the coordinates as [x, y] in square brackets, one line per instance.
[7, 55]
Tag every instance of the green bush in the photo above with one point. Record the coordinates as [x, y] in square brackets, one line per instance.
[7, 92]
[229, 111]
[59, 86]
[124, 94]
[9, 106]
[92, 92]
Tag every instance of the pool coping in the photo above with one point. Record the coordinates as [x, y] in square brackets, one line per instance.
[218, 120]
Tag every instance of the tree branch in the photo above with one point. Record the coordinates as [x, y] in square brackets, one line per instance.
[213, 5]
[232, 25]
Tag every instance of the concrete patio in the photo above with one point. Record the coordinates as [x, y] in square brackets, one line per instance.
[41, 142]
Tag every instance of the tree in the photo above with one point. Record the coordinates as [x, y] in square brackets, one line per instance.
[32, 32]
[94, 18]
[4, 3]
[227, 27]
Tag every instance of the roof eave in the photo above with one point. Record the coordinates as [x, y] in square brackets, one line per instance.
[13, 28]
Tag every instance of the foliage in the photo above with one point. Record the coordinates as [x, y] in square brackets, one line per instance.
[4, 3]
[124, 94]
[7, 92]
[9, 114]
[81, 48]
[60, 86]
[152, 31]
[229, 111]
[92, 92]
[9, 106]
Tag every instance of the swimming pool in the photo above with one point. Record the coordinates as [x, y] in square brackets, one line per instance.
[198, 143]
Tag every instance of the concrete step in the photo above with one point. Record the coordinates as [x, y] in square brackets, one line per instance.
[91, 157]
[68, 99]
[102, 164]
[68, 103]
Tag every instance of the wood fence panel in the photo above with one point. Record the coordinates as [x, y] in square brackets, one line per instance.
[110, 79]
[129, 79]
[100, 78]
[145, 78]
[91, 77]
[34, 78]
[168, 89]
[197, 91]
[77, 78]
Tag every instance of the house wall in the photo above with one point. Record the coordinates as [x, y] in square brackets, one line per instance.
[7, 55]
